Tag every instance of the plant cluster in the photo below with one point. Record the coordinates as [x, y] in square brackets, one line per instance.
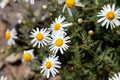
[80, 40]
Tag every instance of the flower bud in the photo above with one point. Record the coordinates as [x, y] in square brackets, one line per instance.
[90, 32]
[44, 7]
[80, 20]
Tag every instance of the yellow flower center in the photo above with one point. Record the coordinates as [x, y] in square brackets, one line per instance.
[59, 42]
[110, 15]
[70, 3]
[8, 35]
[40, 36]
[56, 26]
[27, 56]
[48, 64]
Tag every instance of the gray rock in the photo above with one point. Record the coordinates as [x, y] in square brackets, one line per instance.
[2, 64]
[13, 58]
[55, 78]
[61, 1]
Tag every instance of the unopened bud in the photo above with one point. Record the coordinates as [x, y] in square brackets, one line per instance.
[51, 14]
[15, 0]
[71, 24]
[2, 50]
[20, 21]
[44, 7]
[90, 32]
[80, 20]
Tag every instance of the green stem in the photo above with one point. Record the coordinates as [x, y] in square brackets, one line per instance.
[87, 9]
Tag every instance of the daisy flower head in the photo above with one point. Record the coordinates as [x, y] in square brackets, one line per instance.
[116, 77]
[40, 37]
[109, 16]
[49, 66]
[4, 3]
[28, 55]
[59, 42]
[3, 78]
[31, 1]
[70, 4]
[58, 25]
[10, 36]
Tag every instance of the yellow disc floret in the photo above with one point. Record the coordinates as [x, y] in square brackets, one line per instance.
[70, 3]
[56, 26]
[8, 35]
[27, 56]
[48, 64]
[40, 36]
[110, 15]
[59, 42]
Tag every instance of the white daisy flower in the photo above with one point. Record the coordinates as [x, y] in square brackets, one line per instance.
[109, 16]
[59, 25]
[70, 4]
[10, 36]
[116, 77]
[49, 66]
[3, 78]
[4, 3]
[28, 55]
[40, 37]
[59, 42]
[31, 1]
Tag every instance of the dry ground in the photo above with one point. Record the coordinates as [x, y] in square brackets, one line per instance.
[8, 19]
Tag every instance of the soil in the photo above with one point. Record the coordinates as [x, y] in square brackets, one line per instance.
[8, 19]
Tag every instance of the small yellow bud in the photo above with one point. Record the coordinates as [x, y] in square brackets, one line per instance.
[7, 2]
[23, 21]
[20, 21]
[2, 50]
[80, 20]
[15, 0]
[51, 14]
[71, 24]
[44, 7]
[90, 32]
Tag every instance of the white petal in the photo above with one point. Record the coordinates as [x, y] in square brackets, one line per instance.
[104, 22]
[70, 12]
[113, 7]
[107, 25]
[79, 4]
[63, 10]
[101, 19]
[48, 73]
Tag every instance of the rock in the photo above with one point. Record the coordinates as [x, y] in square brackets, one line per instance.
[2, 29]
[3, 41]
[28, 73]
[2, 64]
[20, 72]
[13, 58]
[55, 78]
[45, 16]
[61, 1]
[37, 13]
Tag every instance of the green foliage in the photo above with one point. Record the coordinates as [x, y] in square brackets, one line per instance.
[93, 57]
[89, 57]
